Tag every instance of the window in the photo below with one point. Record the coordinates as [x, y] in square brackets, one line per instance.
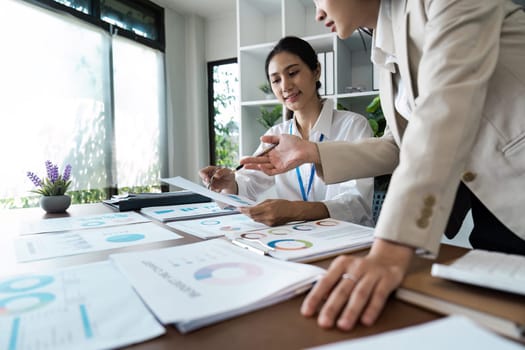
[73, 94]
[224, 116]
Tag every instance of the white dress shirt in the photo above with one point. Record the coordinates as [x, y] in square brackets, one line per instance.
[350, 200]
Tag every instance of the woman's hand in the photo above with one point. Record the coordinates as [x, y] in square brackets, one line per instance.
[356, 289]
[290, 152]
[274, 212]
[219, 179]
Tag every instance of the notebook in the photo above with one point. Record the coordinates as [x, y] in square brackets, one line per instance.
[198, 284]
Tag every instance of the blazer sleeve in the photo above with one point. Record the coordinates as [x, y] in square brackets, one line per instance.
[453, 63]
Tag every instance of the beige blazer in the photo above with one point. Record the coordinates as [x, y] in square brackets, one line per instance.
[463, 64]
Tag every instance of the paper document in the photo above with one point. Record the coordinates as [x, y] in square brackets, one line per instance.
[80, 222]
[454, 332]
[230, 199]
[495, 270]
[186, 211]
[306, 241]
[198, 284]
[217, 226]
[51, 245]
[86, 307]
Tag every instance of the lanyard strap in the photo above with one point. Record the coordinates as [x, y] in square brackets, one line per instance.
[305, 194]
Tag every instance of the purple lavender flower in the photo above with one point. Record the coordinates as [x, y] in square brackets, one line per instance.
[67, 173]
[35, 179]
[49, 169]
[54, 174]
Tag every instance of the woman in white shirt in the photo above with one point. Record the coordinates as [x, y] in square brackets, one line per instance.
[293, 71]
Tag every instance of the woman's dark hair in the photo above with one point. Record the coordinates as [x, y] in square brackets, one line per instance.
[298, 47]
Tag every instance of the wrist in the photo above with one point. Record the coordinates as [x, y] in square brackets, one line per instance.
[312, 153]
[392, 253]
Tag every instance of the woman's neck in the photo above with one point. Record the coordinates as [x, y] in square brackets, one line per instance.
[307, 117]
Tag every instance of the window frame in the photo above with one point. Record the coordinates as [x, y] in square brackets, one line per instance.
[94, 18]
[211, 109]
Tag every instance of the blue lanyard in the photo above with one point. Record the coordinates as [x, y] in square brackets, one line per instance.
[306, 194]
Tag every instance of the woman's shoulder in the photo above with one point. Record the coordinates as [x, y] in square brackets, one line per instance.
[346, 117]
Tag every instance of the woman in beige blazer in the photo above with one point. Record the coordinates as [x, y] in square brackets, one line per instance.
[452, 89]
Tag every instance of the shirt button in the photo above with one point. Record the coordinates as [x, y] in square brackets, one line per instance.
[469, 176]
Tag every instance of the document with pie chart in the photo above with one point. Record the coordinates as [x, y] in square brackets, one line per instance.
[86, 307]
[51, 245]
[306, 241]
[198, 284]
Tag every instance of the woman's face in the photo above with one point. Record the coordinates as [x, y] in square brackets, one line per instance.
[292, 81]
[345, 16]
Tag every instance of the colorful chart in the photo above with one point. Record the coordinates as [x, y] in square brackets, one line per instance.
[93, 223]
[210, 222]
[228, 273]
[165, 211]
[230, 228]
[128, 237]
[24, 303]
[237, 199]
[279, 231]
[25, 283]
[327, 223]
[303, 227]
[253, 235]
[290, 244]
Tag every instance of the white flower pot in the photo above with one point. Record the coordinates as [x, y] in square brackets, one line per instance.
[55, 204]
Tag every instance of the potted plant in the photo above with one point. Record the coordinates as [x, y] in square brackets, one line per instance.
[378, 123]
[267, 90]
[53, 188]
[269, 117]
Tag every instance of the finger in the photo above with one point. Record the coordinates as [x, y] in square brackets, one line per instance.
[322, 288]
[358, 299]
[378, 301]
[270, 138]
[254, 160]
[335, 303]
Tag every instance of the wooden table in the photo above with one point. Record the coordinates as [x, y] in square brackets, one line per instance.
[277, 327]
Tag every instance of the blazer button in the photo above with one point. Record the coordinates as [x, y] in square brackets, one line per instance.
[422, 223]
[469, 176]
[429, 200]
[426, 212]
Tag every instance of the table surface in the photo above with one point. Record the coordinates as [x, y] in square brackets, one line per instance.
[276, 327]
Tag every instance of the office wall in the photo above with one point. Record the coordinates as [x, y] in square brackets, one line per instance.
[221, 37]
[187, 129]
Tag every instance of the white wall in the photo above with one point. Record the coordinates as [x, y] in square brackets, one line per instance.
[186, 94]
[221, 37]
[191, 42]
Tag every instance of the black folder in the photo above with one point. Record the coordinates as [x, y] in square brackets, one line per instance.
[137, 201]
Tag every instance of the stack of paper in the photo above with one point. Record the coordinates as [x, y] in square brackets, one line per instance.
[202, 283]
[85, 307]
[305, 241]
[186, 211]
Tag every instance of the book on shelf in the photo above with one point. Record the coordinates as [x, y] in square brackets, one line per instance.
[305, 241]
[199, 284]
[499, 311]
[186, 211]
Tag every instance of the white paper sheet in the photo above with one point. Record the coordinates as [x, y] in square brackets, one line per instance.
[217, 226]
[197, 284]
[306, 241]
[86, 307]
[50, 245]
[168, 213]
[79, 222]
[450, 333]
[230, 199]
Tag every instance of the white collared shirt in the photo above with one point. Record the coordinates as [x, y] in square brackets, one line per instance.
[383, 54]
[350, 200]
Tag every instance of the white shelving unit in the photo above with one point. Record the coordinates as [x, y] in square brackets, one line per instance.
[260, 24]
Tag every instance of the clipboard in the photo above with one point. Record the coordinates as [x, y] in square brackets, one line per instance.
[137, 201]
